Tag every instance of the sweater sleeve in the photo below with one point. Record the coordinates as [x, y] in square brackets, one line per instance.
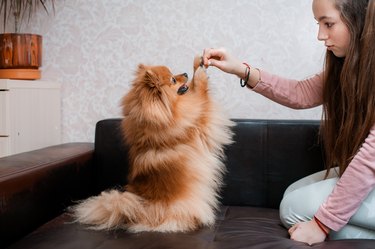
[295, 94]
[352, 188]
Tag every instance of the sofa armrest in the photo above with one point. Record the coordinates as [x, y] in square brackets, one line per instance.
[38, 185]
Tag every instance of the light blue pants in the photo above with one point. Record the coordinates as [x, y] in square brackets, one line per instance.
[303, 198]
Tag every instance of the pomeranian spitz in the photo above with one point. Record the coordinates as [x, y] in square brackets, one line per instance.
[176, 135]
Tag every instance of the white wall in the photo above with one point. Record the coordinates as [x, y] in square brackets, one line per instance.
[93, 47]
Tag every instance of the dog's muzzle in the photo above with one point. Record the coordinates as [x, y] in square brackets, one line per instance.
[183, 89]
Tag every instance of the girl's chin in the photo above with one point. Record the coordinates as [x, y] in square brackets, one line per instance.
[337, 53]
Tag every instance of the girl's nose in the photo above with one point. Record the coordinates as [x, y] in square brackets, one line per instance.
[322, 35]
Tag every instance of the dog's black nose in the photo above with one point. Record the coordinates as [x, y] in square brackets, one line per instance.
[185, 75]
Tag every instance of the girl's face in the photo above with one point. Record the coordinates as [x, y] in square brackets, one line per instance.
[332, 30]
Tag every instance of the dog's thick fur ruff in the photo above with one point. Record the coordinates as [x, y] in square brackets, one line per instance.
[176, 135]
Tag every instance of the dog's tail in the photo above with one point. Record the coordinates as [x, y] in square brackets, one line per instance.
[109, 210]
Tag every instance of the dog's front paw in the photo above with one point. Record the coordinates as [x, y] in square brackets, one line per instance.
[198, 62]
[200, 78]
[200, 74]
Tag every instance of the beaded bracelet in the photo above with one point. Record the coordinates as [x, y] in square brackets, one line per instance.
[243, 83]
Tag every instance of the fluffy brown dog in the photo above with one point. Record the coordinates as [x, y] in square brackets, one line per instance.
[176, 135]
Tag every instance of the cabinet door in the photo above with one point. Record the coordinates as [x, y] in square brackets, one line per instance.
[35, 118]
[4, 113]
[4, 146]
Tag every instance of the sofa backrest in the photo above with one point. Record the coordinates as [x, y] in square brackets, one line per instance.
[266, 157]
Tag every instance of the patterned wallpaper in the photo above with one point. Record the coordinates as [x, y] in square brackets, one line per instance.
[93, 47]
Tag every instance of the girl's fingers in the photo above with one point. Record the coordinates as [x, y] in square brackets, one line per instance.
[292, 229]
[211, 53]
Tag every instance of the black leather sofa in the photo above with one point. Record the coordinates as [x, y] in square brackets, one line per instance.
[36, 188]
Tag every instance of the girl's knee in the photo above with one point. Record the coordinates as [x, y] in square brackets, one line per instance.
[293, 210]
[301, 204]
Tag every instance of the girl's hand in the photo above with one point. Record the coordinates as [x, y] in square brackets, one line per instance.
[308, 232]
[221, 59]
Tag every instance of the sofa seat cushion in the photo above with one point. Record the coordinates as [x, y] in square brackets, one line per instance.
[236, 227]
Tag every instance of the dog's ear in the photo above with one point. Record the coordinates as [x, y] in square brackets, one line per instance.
[141, 68]
[151, 79]
[149, 76]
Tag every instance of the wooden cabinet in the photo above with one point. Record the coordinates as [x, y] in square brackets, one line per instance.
[30, 115]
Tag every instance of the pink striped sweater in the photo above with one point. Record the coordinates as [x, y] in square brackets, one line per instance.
[358, 179]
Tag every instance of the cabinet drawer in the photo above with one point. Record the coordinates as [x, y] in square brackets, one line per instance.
[4, 146]
[4, 113]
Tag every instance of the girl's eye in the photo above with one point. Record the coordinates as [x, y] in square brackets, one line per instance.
[173, 80]
[327, 24]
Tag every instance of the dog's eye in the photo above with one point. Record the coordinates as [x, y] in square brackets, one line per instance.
[173, 80]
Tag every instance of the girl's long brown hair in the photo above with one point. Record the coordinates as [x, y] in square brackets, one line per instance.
[349, 87]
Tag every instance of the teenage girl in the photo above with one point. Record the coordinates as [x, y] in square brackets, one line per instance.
[339, 202]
